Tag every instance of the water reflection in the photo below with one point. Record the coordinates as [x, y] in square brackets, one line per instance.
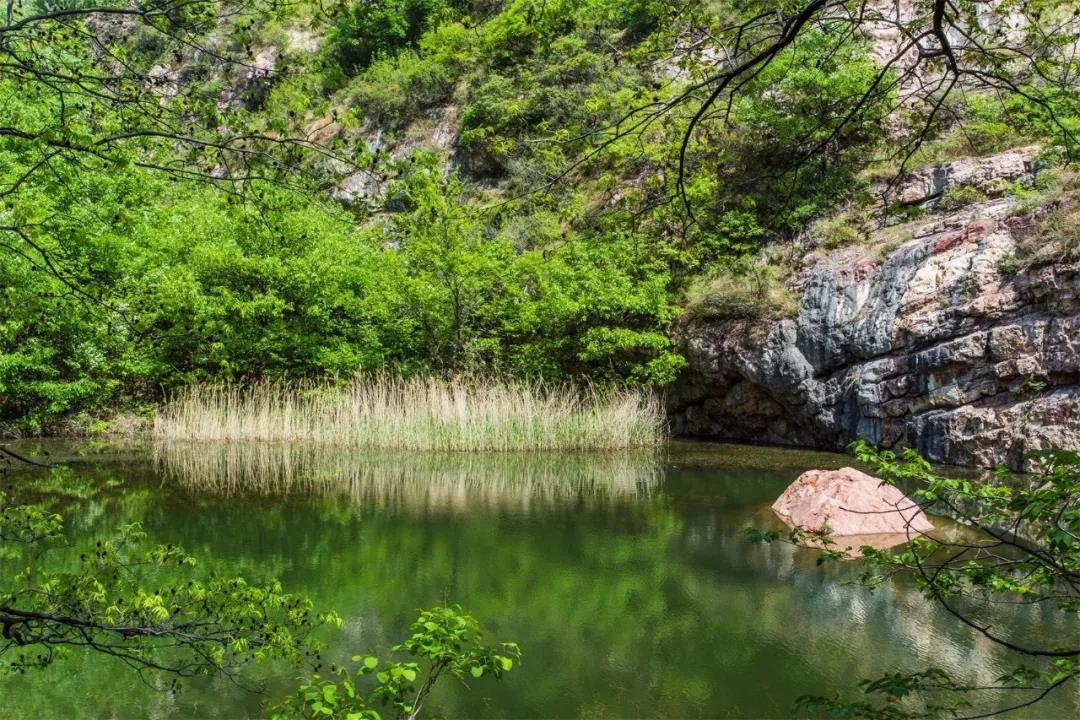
[413, 482]
[626, 579]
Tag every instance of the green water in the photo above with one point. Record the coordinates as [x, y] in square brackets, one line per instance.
[624, 578]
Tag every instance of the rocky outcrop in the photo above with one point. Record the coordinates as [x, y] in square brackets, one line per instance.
[990, 175]
[253, 83]
[941, 346]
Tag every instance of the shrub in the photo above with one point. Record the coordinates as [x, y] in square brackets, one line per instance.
[1055, 237]
[791, 107]
[837, 232]
[393, 90]
[1048, 187]
[985, 127]
[959, 196]
[373, 28]
[1008, 265]
[606, 344]
[733, 233]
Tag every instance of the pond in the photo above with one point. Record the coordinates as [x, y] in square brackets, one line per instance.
[625, 577]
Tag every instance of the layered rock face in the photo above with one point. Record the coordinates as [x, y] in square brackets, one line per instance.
[938, 347]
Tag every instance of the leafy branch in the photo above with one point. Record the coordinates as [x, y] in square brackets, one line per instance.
[1023, 548]
[444, 641]
[142, 604]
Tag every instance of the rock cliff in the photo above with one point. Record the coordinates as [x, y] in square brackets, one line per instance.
[944, 345]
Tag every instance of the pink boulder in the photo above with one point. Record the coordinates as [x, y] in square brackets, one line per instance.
[849, 502]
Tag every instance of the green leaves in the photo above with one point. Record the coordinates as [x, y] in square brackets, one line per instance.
[144, 603]
[443, 640]
[367, 31]
[28, 524]
[756, 535]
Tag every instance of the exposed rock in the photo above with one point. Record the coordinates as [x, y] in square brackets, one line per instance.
[164, 80]
[437, 131]
[887, 24]
[932, 348]
[987, 174]
[445, 134]
[360, 185]
[109, 29]
[322, 130]
[304, 40]
[254, 85]
[849, 502]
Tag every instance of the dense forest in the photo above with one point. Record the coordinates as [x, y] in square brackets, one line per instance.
[293, 190]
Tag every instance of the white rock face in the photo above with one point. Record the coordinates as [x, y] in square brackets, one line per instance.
[304, 40]
[257, 78]
[848, 502]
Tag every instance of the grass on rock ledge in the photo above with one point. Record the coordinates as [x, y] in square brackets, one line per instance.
[387, 412]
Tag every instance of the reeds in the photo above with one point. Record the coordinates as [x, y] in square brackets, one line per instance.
[392, 413]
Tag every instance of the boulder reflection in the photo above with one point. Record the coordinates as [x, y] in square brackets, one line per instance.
[413, 481]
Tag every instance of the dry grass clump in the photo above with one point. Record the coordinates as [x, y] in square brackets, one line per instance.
[1053, 237]
[394, 413]
[757, 292]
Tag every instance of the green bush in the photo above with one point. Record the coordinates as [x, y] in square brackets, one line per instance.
[984, 125]
[1054, 237]
[394, 90]
[959, 196]
[839, 231]
[1047, 188]
[370, 29]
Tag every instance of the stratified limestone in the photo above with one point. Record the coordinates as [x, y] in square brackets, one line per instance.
[937, 347]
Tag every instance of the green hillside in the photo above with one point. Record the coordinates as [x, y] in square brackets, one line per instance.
[276, 189]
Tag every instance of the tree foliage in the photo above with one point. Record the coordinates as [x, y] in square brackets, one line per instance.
[141, 603]
[444, 642]
[368, 29]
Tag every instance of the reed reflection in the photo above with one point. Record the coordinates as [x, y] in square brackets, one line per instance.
[415, 482]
